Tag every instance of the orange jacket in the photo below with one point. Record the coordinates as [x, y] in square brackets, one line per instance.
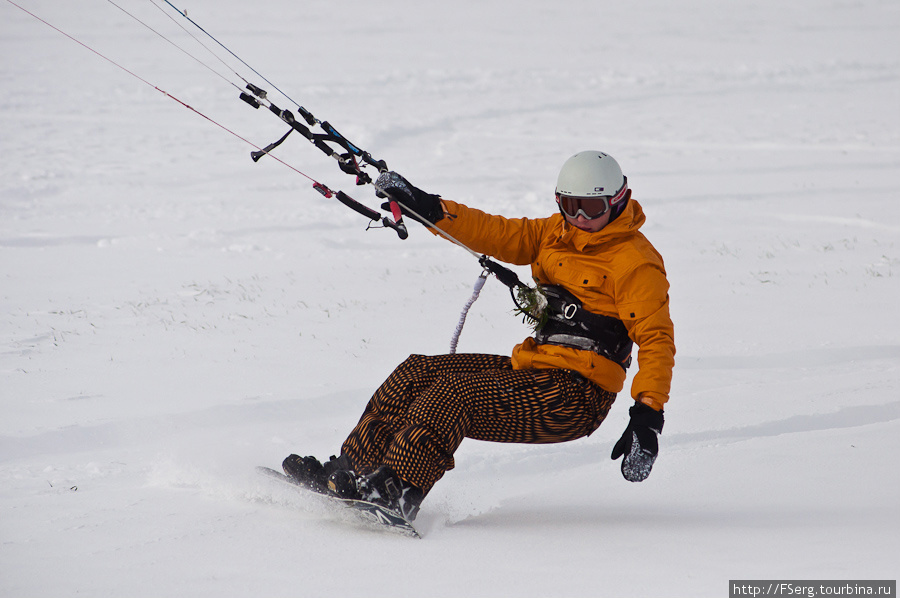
[614, 272]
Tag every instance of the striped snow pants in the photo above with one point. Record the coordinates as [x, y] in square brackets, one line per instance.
[419, 416]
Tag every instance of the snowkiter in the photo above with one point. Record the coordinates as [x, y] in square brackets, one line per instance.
[603, 287]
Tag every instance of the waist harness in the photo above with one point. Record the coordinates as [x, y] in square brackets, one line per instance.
[570, 325]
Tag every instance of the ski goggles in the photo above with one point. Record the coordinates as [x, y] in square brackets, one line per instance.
[589, 207]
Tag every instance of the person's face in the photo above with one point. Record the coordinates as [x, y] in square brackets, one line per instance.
[590, 225]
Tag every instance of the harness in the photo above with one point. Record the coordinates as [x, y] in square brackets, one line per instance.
[568, 324]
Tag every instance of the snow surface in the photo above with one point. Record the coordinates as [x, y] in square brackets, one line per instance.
[174, 314]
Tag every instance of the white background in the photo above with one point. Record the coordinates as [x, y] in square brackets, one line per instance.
[172, 314]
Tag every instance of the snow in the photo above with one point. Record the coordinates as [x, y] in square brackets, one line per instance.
[172, 314]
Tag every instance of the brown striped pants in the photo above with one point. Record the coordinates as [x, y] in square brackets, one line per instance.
[419, 416]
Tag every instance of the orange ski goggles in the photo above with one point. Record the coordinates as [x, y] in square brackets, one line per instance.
[589, 207]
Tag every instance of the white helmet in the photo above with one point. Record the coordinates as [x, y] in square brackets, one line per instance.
[591, 174]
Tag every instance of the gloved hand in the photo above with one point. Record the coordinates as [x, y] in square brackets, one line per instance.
[392, 185]
[639, 443]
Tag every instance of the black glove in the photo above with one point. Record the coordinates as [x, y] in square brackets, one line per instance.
[392, 185]
[639, 443]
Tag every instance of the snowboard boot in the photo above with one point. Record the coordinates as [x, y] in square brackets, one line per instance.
[310, 473]
[382, 487]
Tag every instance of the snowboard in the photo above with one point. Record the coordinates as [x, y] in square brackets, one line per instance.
[381, 516]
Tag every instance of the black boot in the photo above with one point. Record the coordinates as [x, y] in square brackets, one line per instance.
[344, 484]
[311, 473]
[382, 487]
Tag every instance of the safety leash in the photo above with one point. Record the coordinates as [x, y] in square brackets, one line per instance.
[479, 284]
